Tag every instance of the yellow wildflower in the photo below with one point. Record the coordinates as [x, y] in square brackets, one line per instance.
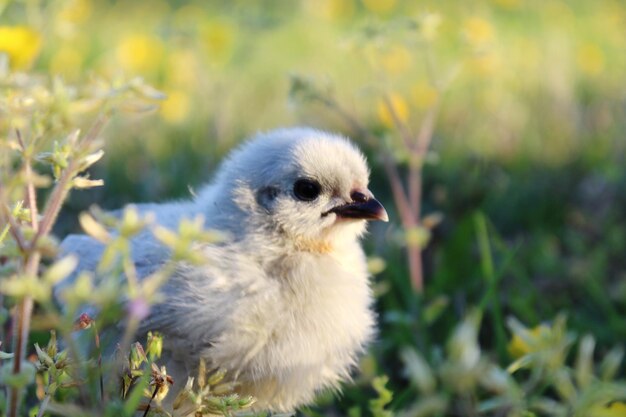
[331, 9]
[396, 60]
[21, 44]
[380, 6]
[590, 59]
[417, 236]
[376, 265]
[175, 108]
[399, 106]
[140, 53]
[616, 409]
[477, 31]
[219, 39]
[485, 64]
[424, 95]
[519, 347]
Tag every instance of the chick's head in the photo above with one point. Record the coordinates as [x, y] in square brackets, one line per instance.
[303, 185]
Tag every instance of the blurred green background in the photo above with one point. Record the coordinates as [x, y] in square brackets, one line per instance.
[529, 140]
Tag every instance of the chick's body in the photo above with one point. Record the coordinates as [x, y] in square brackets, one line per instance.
[283, 304]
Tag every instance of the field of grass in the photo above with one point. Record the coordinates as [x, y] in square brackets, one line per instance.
[521, 219]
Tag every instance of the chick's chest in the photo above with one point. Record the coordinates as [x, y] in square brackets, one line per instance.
[324, 306]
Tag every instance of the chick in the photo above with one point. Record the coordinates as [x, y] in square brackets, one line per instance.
[284, 304]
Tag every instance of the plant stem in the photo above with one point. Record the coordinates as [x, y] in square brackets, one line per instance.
[46, 400]
[33, 257]
[391, 169]
[70, 342]
[399, 195]
[409, 215]
[154, 393]
[23, 314]
[61, 190]
[44, 405]
[31, 196]
[97, 342]
[414, 255]
[7, 218]
[398, 122]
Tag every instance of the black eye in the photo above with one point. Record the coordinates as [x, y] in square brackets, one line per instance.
[307, 190]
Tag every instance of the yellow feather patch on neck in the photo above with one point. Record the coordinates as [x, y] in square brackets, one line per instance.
[314, 246]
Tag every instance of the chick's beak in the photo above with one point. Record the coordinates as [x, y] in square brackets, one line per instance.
[362, 207]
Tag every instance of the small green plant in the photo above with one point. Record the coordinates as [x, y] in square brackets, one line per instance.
[462, 379]
[209, 394]
[76, 381]
[36, 114]
[403, 149]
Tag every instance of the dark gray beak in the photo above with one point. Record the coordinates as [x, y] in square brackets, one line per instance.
[367, 209]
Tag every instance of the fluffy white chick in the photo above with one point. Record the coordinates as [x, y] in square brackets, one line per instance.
[284, 304]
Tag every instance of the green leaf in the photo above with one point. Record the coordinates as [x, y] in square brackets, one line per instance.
[584, 361]
[83, 183]
[90, 159]
[25, 285]
[5, 355]
[3, 234]
[419, 371]
[20, 380]
[611, 362]
[43, 356]
[94, 228]
[60, 269]
[435, 308]
[377, 405]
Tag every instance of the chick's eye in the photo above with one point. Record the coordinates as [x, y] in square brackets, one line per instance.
[307, 190]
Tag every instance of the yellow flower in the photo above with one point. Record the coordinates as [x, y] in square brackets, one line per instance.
[376, 265]
[519, 347]
[399, 106]
[590, 59]
[424, 95]
[21, 44]
[417, 236]
[140, 53]
[616, 409]
[396, 60]
[219, 39]
[477, 31]
[76, 11]
[175, 108]
[380, 6]
[485, 64]
[331, 9]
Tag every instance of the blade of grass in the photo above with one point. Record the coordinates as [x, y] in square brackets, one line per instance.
[491, 280]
